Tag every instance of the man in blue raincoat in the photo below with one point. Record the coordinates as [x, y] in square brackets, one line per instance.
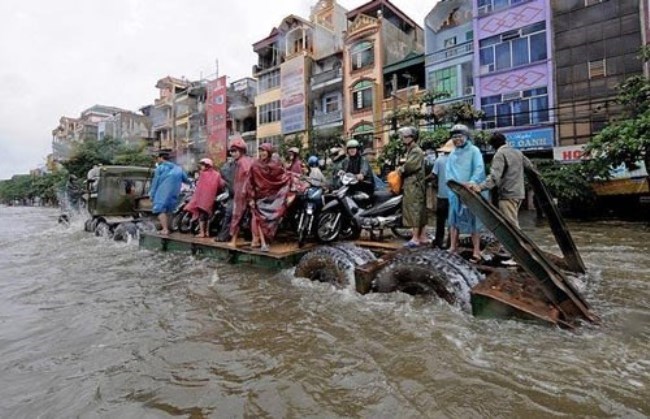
[165, 189]
[464, 165]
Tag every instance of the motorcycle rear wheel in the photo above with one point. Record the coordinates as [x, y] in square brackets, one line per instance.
[328, 227]
[186, 225]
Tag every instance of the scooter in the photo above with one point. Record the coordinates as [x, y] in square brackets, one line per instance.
[311, 203]
[350, 212]
[188, 225]
[179, 214]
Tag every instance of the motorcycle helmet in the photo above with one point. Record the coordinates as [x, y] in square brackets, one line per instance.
[460, 129]
[409, 132]
[312, 161]
[352, 144]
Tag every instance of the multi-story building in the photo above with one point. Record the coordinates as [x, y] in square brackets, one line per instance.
[85, 128]
[284, 72]
[449, 45]
[163, 114]
[596, 45]
[327, 71]
[514, 83]
[126, 126]
[241, 118]
[378, 35]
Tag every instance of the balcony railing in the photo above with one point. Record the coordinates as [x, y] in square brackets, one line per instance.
[326, 76]
[163, 123]
[448, 53]
[328, 118]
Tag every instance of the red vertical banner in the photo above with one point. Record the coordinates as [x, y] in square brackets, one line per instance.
[216, 115]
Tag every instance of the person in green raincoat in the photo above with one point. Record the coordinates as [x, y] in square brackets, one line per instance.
[414, 211]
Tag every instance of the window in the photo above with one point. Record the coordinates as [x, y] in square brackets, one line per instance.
[513, 48]
[489, 6]
[269, 112]
[362, 55]
[269, 81]
[274, 140]
[362, 96]
[450, 42]
[364, 134]
[445, 80]
[528, 107]
[331, 103]
[597, 69]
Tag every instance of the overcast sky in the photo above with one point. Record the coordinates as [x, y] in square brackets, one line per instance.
[60, 57]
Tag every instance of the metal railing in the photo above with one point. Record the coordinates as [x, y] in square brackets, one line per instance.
[327, 118]
[448, 53]
[326, 76]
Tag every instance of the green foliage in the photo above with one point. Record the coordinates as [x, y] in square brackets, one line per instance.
[626, 141]
[324, 139]
[463, 113]
[435, 138]
[24, 188]
[392, 151]
[109, 151]
[292, 140]
[568, 183]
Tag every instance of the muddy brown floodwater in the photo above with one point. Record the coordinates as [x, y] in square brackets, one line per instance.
[95, 329]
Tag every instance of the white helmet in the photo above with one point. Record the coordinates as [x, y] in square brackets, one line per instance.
[460, 129]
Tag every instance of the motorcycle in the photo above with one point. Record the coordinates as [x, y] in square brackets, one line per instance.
[179, 214]
[351, 211]
[188, 225]
[310, 205]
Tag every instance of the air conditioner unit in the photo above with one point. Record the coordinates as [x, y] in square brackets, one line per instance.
[511, 96]
[485, 69]
[468, 91]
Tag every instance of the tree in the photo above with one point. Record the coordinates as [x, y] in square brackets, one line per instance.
[626, 141]
[89, 153]
[324, 139]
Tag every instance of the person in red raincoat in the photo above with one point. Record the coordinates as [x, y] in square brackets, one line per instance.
[268, 189]
[294, 165]
[207, 188]
[239, 187]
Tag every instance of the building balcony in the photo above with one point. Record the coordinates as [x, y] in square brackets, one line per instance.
[242, 111]
[449, 53]
[327, 78]
[162, 124]
[330, 118]
[247, 136]
[162, 102]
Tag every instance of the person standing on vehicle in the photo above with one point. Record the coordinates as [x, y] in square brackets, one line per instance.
[239, 186]
[465, 165]
[207, 187]
[414, 210]
[357, 165]
[227, 172]
[165, 188]
[294, 165]
[267, 192]
[507, 175]
[442, 194]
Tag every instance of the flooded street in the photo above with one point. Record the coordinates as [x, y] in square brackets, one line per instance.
[95, 329]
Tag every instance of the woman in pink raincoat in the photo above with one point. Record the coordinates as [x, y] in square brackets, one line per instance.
[207, 188]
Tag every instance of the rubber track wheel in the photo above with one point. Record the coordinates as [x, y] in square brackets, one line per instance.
[327, 264]
[358, 255]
